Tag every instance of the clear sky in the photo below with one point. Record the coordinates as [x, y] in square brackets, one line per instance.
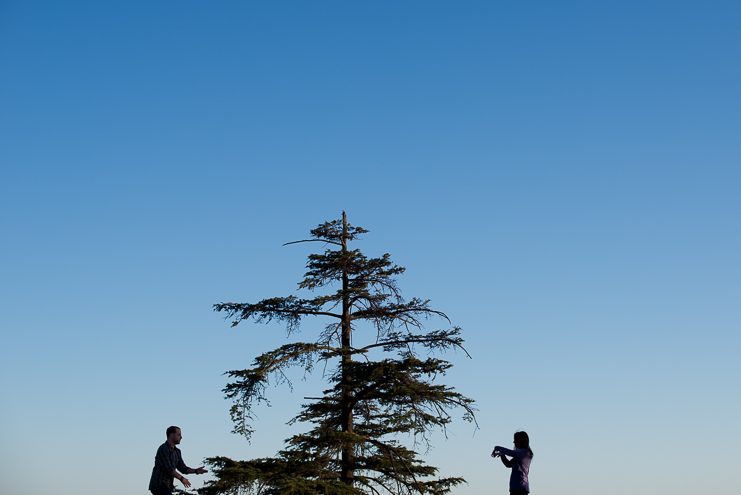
[561, 178]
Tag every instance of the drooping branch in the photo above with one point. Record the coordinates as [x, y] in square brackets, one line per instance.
[286, 309]
[250, 384]
[410, 311]
[410, 403]
[438, 339]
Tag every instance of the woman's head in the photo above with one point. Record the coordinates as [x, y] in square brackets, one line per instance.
[522, 441]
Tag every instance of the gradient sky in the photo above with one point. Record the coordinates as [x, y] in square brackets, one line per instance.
[561, 178]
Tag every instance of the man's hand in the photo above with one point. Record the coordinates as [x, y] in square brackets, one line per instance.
[185, 481]
[200, 470]
[495, 454]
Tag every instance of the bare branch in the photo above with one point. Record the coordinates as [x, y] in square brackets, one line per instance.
[313, 240]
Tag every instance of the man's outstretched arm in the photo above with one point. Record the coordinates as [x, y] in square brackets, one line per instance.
[186, 470]
[198, 470]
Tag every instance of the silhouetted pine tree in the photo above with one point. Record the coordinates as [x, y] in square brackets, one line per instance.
[352, 446]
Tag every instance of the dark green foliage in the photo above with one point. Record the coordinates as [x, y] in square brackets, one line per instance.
[352, 447]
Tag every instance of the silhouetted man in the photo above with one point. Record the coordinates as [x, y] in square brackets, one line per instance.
[166, 462]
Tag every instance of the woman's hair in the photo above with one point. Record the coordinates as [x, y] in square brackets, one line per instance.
[522, 441]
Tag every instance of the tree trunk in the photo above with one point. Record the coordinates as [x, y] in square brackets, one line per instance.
[346, 474]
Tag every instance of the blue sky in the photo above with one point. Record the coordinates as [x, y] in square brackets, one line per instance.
[561, 178]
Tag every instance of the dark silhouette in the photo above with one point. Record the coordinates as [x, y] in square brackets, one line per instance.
[379, 385]
[166, 464]
[520, 463]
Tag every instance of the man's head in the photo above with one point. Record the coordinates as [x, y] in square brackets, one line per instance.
[174, 435]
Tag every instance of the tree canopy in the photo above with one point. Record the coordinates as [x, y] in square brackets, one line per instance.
[383, 381]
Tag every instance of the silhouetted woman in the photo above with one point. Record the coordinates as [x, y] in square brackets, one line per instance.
[520, 463]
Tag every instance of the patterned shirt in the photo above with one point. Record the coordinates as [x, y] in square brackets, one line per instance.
[168, 458]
